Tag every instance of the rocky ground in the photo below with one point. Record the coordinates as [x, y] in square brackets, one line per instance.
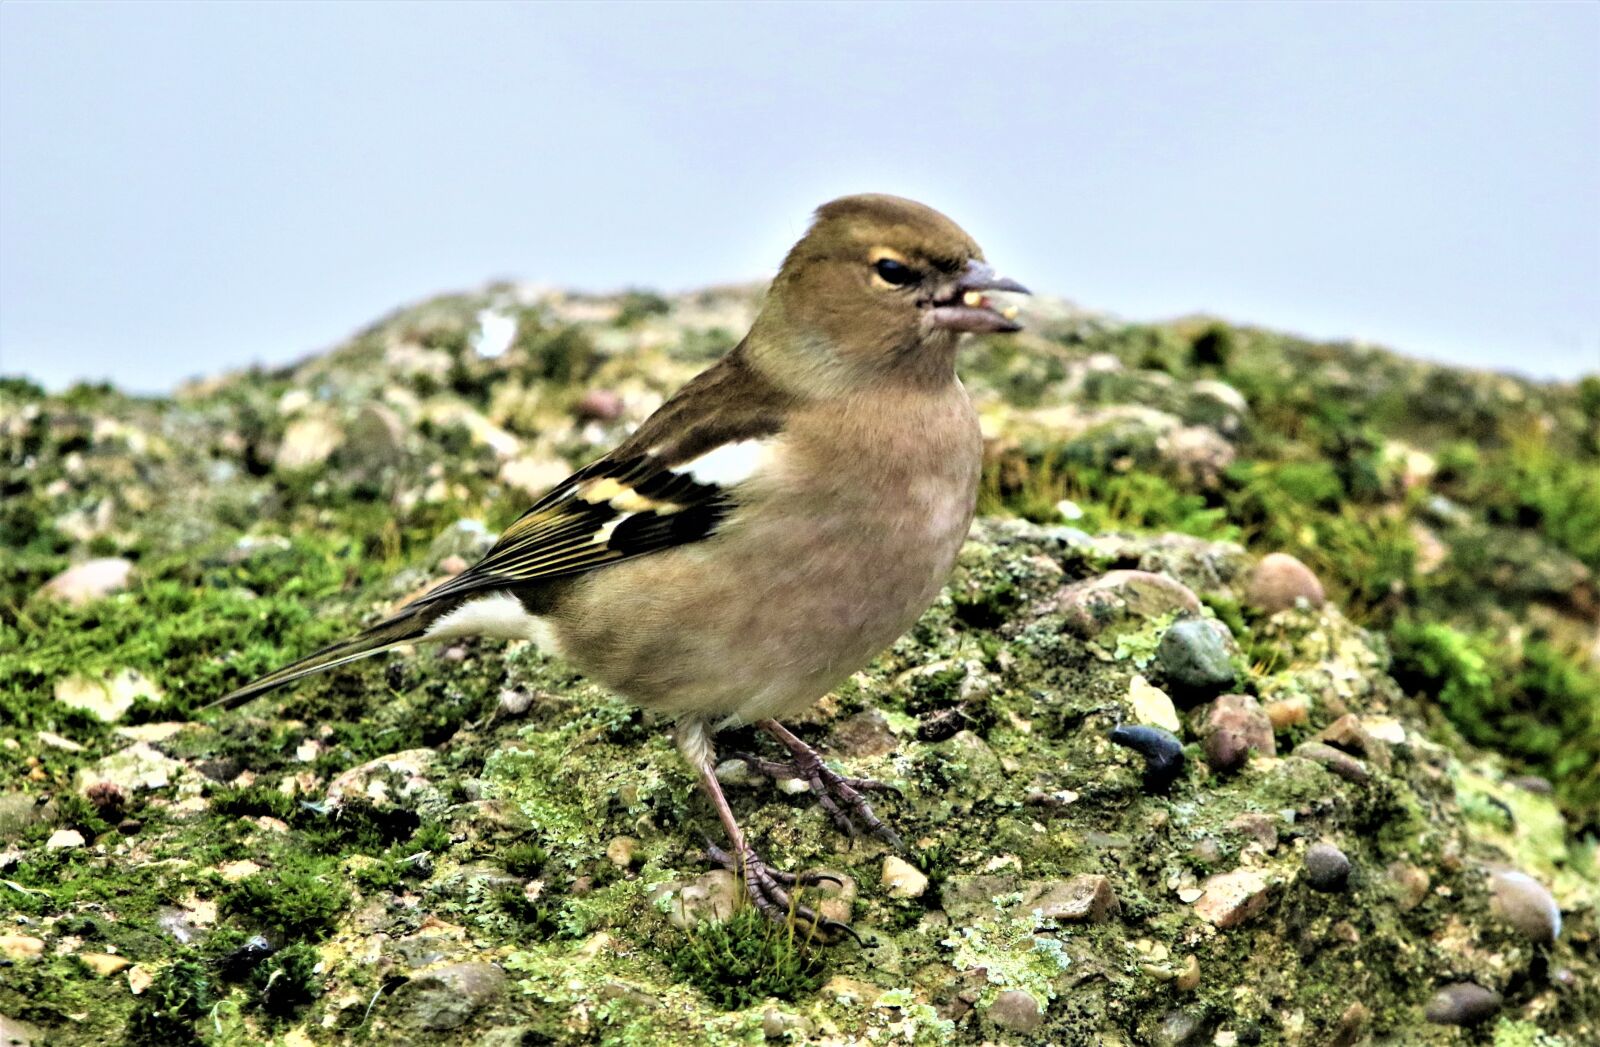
[1263, 708]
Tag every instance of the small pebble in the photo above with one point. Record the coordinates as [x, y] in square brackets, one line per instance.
[89, 581]
[1226, 751]
[1348, 734]
[1180, 1029]
[1189, 977]
[1464, 1003]
[64, 839]
[1411, 883]
[1261, 828]
[1087, 896]
[1526, 904]
[902, 879]
[1151, 705]
[18, 947]
[1279, 582]
[1340, 763]
[1233, 898]
[1327, 869]
[1288, 712]
[104, 964]
[1195, 659]
[1352, 1026]
[1162, 752]
[621, 851]
[515, 703]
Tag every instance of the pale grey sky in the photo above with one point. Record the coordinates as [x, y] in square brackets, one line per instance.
[188, 187]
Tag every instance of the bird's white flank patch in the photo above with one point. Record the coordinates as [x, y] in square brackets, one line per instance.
[694, 742]
[501, 616]
[729, 464]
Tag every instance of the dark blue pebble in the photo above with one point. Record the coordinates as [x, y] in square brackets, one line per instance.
[1162, 752]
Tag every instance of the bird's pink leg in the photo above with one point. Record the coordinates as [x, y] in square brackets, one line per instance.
[838, 794]
[767, 887]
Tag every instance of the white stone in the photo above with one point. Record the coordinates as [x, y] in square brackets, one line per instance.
[307, 443]
[1152, 706]
[139, 766]
[107, 699]
[55, 741]
[89, 580]
[496, 331]
[64, 840]
[902, 879]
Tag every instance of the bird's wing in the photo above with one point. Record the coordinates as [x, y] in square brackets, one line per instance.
[669, 484]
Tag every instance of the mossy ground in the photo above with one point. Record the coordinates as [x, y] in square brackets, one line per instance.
[493, 843]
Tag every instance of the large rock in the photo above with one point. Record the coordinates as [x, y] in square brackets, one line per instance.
[447, 997]
[1115, 597]
[139, 766]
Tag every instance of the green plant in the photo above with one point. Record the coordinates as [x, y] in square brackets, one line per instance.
[1536, 704]
[288, 980]
[298, 900]
[746, 959]
[167, 1012]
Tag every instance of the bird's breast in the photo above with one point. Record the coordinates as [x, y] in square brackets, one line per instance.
[831, 554]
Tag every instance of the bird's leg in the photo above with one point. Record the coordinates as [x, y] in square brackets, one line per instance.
[767, 887]
[838, 794]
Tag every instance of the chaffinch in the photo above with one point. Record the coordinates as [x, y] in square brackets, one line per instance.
[773, 526]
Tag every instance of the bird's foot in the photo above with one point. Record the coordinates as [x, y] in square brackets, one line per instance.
[769, 889]
[839, 795]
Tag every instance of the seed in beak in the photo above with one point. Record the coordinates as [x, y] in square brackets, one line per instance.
[1010, 312]
[973, 299]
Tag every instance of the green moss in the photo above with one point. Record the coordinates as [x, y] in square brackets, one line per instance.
[1536, 704]
[524, 858]
[325, 829]
[746, 959]
[298, 900]
[288, 980]
[639, 305]
[169, 1011]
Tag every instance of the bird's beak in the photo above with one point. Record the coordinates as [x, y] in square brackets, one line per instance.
[967, 307]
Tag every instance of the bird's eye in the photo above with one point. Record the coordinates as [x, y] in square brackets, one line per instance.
[897, 274]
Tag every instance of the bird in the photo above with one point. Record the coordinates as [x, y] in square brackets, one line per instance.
[767, 531]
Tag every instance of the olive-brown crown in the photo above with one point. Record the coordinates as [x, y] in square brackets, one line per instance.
[853, 293]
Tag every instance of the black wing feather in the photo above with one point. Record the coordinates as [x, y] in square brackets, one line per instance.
[565, 532]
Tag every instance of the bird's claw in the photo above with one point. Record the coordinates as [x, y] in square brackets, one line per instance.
[838, 794]
[768, 889]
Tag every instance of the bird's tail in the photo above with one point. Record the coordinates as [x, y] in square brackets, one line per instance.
[409, 624]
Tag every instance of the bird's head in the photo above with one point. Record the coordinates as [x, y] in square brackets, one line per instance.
[881, 285]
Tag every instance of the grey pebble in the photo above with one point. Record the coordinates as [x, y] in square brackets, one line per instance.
[1464, 1003]
[1327, 868]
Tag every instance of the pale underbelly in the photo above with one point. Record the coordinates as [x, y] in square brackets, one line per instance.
[756, 625]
